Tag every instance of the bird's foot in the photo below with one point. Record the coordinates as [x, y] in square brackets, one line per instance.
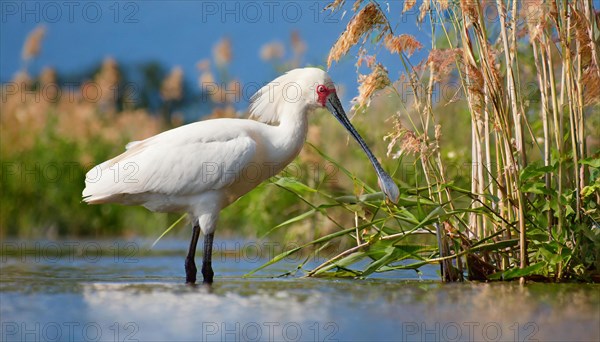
[190, 271]
[207, 274]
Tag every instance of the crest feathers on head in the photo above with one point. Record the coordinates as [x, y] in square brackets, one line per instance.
[267, 102]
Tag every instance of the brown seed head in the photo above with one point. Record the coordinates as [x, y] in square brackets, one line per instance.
[591, 85]
[33, 43]
[298, 45]
[470, 9]
[438, 133]
[535, 13]
[336, 4]
[222, 52]
[22, 79]
[370, 60]
[403, 43]
[203, 65]
[409, 142]
[408, 4]
[369, 18]
[272, 51]
[356, 5]
[107, 79]
[443, 4]
[172, 86]
[368, 84]
[443, 62]
[47, 76]
[206, 78]
[582, 30]
[423, 10]
[475, 84]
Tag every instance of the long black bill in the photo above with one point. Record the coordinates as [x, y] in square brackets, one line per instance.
[386, 183]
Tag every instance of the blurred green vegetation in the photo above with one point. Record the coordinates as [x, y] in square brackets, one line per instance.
[42, 181]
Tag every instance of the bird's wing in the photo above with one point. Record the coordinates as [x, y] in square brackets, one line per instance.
[176, 163]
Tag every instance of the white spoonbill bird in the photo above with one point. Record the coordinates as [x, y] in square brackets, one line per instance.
[203, 167]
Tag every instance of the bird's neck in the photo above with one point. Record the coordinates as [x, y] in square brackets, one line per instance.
[291, 131]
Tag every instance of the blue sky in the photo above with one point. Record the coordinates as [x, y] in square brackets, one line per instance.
[81, 33]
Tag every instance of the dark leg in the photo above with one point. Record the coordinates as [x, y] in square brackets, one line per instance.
[190, 265]
[207, 271]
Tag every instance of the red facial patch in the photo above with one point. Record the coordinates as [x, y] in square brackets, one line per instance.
[322, 93]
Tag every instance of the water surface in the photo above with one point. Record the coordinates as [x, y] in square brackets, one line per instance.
[113, 291]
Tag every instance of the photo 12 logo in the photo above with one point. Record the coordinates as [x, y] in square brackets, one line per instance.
[68, 331]
[252, 12]
[51, 252]
[468, 331]
[124, 12]
[269, 331]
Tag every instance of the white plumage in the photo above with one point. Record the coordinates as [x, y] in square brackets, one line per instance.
[203, 167]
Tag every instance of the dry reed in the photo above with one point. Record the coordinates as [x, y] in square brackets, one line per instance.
[33, 43]
[369, 84]
[172, 86]
[272, 51]
[489, 60]
[222, 52]
[366, 20]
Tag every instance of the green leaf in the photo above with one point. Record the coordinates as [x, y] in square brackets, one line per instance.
[590, 189]
[325, 238]
[569, 210]
[536, 188]
[518, 272]
[344, 262]
[534, 171]
[491, 198]
[389, 256]
[541, 237]
[349, 260]
[290, 221]
[402, 251]
[438, 214]
[377, 196]
[293, 184]
[593, 162]
[340, 273]
[549, 252]
[168, 230]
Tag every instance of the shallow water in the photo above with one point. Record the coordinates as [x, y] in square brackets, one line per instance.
[116, 291]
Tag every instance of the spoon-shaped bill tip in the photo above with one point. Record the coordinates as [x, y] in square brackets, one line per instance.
[389, 188]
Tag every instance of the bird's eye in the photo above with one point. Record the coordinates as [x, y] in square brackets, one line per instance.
[321, 89]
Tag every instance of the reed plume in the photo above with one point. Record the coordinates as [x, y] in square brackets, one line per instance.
[172, 86]
[222, 52]
[365, 21]
[33, 43]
